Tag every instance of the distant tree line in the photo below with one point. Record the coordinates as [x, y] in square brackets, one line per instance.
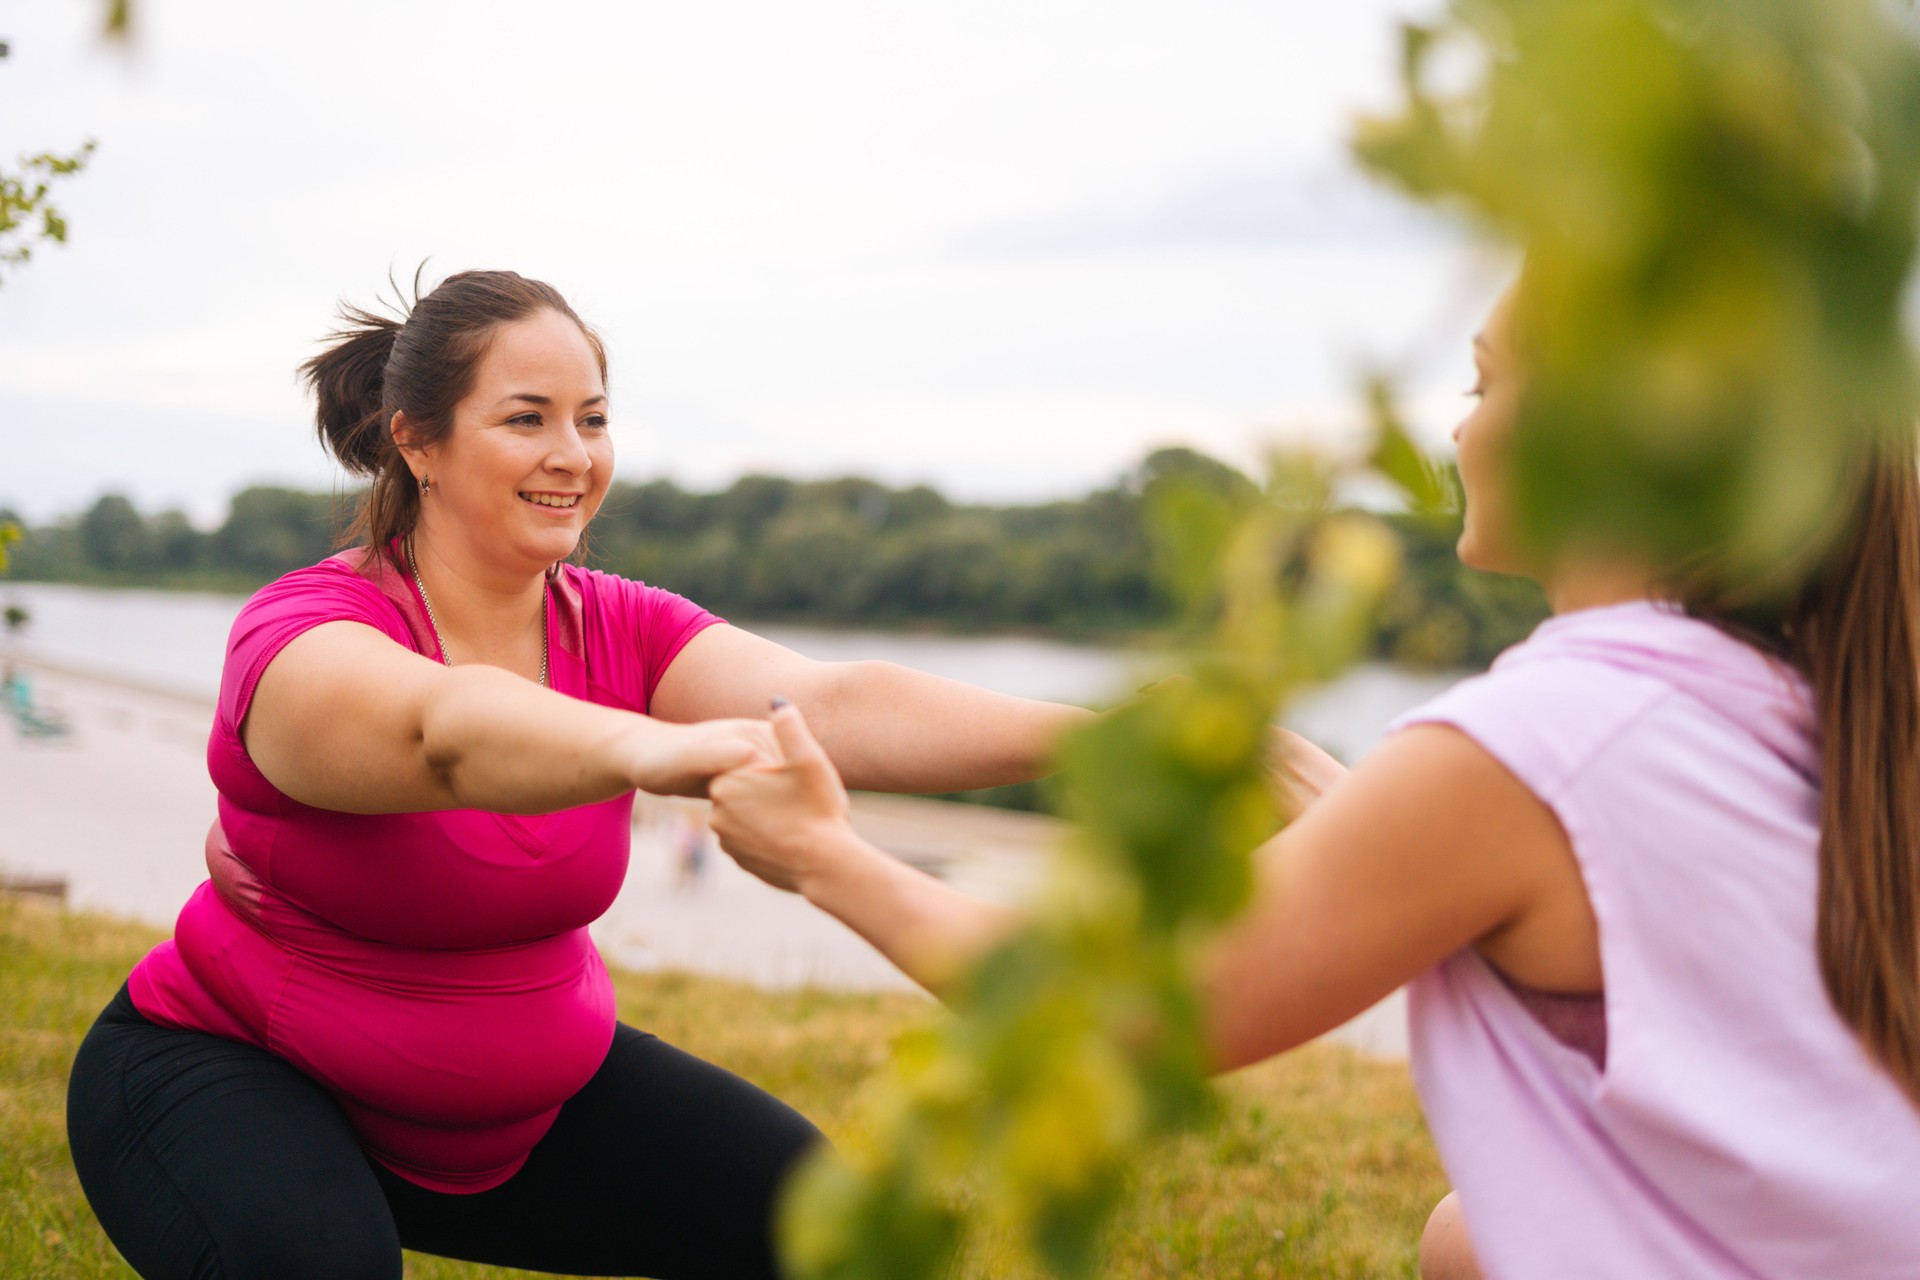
[846, 551]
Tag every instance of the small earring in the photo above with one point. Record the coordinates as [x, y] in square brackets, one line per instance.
[425, 484]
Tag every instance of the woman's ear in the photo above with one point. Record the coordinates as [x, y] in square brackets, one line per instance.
[403, 439]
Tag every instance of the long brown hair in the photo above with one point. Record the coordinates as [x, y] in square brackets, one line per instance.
[421, 363]
[1853, 629]
[1854, 632]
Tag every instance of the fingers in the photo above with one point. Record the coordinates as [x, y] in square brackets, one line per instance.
[1299, 771]
[732, 748]
[766, 747]
[750, 742]
[797, 743]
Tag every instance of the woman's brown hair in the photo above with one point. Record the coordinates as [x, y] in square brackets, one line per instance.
[1854, 630]
[420, 363]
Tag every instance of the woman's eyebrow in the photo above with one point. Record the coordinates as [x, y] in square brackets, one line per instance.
[531, 398]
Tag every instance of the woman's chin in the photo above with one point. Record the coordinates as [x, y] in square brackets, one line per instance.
[1466, 549]
[564, 547]
[1474, 554]
[546, 546]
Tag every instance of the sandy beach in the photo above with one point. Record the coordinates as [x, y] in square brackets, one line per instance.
[117, 811]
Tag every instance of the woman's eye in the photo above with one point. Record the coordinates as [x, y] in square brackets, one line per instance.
[525, 420]
[595, 420]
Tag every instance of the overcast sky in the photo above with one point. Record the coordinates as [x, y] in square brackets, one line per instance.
[1001, 247]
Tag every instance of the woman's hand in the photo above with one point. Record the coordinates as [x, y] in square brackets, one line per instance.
[786, 822]
[1299, 772]
[683, 759]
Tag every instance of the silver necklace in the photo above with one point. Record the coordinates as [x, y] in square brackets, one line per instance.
[413, 567]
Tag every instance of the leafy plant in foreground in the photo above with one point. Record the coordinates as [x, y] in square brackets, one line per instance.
[1078, 1041]
[1718, 200]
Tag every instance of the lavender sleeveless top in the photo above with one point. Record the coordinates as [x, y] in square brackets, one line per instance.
[431, 970]
[1735, 1127]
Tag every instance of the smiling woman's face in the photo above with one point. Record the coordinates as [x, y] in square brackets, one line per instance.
[1484, 438]
[529, 456]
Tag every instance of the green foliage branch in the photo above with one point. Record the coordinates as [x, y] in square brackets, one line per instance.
[28, 216]
[1718, 200]
[1718, 203]
[1078, 1043]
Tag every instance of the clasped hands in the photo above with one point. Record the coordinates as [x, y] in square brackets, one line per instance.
[786, 820]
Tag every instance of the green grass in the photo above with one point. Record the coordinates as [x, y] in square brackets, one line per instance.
[1318, 1166]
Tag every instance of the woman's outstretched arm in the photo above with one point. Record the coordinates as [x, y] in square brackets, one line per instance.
[1429, 847]
[787, 824]
[345, 719]
[884, 726]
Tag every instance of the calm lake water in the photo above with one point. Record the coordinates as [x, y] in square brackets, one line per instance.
[174, 641]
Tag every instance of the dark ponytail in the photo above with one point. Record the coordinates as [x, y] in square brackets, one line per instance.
[420, 364]
[347, 381]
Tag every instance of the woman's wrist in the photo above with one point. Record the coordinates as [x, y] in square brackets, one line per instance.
[928, 930]
[680, 759]
[844, 869]
[643, 753]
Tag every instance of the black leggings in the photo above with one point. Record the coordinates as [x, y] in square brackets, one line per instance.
[208, 1158]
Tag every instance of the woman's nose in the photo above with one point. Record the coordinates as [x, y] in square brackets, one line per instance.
[570, 452]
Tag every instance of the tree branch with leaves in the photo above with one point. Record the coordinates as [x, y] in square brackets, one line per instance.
[28, 216]
[1718, 202]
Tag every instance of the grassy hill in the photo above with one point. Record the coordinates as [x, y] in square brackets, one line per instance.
[1319, 1165]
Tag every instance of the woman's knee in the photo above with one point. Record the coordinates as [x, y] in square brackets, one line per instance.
[203, 1157]
[1445, 1251]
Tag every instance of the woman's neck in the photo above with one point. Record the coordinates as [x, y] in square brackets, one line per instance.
[486, 605]
[1596, 584]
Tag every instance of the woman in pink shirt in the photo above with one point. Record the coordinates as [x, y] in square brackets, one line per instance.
[381, 1022]
[1653, 881]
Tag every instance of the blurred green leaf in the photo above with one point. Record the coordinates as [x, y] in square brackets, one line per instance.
[1718, 205]
[1427, 487]
[1718, 202]
[1078, 1043]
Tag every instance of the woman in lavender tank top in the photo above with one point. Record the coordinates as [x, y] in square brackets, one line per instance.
[381, 1021]
[1653, 883]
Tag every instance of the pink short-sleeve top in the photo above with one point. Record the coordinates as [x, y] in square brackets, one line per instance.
[431, 970]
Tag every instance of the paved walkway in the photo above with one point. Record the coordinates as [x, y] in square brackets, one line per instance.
[119, 809]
